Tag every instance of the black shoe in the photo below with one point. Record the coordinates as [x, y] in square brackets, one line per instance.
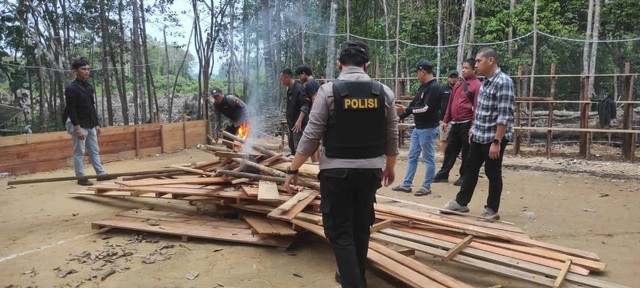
[85, 182]
[338, 278]
[440, 180]
[458, 182]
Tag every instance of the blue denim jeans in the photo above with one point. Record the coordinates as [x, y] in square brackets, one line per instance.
[422, 140]
[90, 144]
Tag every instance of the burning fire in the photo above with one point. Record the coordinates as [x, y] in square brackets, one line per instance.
[243, 131]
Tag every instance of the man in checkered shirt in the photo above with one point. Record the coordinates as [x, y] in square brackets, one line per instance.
[490, 132]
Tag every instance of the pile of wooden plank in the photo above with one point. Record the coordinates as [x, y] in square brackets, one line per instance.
[249, 185]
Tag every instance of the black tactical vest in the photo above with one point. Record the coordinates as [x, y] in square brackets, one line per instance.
[357, 128]
[226, 108]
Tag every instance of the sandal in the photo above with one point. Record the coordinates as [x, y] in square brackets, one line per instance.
[424, 191]
[401, 188]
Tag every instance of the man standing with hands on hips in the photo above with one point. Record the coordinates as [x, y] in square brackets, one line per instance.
[356, 119]
[490, 132]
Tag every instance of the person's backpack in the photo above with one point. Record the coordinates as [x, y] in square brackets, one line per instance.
[469, 94]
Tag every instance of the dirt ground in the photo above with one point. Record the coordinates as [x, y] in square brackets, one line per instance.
[44, 228]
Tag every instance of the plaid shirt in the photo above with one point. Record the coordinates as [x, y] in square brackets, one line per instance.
[495, 106]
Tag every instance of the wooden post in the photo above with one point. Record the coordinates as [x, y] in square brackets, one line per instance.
[161, 139]
[628, 140]
[184, 131]
[137, 139]
[584, 116]
[516, 138]
[552, 94]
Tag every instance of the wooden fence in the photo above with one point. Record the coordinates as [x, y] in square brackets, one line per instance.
[30, 153]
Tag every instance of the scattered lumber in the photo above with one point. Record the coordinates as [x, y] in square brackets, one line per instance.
[249, 184]
[86, 177]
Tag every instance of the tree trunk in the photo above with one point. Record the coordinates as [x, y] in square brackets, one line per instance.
[331, 46]
[463, 33]
[134, 72]
[267, 53]
[138, 63]
[594, 46]
[386, 33]
[168, 69]
[231, 87]
[175, 82]
[586, 50]
[439, 51]
[535, 49]
[124, 102]
[512, 8]
[105, 69]
[471, 30]
[151, 87]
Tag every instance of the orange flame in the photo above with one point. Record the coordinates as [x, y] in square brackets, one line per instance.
[243, 131]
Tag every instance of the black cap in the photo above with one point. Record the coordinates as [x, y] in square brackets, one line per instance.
[216, 90]
[423, 65]
[453, 72]
[354, 46]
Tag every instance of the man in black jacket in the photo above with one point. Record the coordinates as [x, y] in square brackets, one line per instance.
[297, 113]
[231, 107]
[425, 108]
[81, 120]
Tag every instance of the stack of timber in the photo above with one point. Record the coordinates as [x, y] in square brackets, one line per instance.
[246, 188]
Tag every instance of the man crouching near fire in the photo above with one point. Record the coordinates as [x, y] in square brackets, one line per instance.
[231, 107]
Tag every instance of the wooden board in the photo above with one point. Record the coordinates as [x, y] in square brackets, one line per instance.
[263, 226]
[251, 190]
[191, 226]
[291, 213]
[404, 274]
[268, 191]
[192, 180]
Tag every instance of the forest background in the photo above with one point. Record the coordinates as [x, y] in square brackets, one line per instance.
[242, 46]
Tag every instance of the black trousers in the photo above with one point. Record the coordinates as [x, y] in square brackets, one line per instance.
[458, 141]
[347, 214]
[478, 155]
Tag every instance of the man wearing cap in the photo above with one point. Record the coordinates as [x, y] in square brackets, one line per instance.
[425, 108]
[298, 104]
[491, 130]
[356, 119]
[458, 116]
[231, 107]
[81, 120]
[446, 89]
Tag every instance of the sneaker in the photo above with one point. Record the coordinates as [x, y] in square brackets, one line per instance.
[458, 182]
[454, 206]
[489, 215]
[85, 182]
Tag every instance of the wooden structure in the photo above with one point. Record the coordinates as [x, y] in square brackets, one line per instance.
[32, 153]
[628, 134]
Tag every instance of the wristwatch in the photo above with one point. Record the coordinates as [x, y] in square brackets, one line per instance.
[291, 171]
[496, 141]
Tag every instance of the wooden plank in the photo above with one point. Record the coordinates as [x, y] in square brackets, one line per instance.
[400, 272]
[457, 248]
[212, 228]
[263, 225]
[272, 159]
[507, 261]
[495, 233]
[268, 191]
[485, 265]
[419, 267]
[224, 154]
[309, 170]
[501, 251]
[260, 208]
[381, 225]
[251, 190]
[562, 275]
[201, 180]
[196, 171]
[289, 215]
[286, 206]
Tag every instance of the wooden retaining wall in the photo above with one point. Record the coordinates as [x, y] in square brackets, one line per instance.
[30, 153]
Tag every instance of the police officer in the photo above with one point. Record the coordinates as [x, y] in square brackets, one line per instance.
[357, 122]
[231, 107]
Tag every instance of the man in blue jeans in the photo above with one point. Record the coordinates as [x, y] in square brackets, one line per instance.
[81, 120]
[425, 109]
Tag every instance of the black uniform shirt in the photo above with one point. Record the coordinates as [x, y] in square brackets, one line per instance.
[297, 101]
[425, 106]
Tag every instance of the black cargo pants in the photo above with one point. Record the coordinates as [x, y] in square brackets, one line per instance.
[348, 195]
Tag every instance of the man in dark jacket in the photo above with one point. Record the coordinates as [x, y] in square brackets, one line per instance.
[81, 120]
[425, 108]
[231, 107]
[297, 113]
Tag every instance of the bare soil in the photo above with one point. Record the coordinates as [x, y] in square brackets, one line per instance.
[44, 228]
